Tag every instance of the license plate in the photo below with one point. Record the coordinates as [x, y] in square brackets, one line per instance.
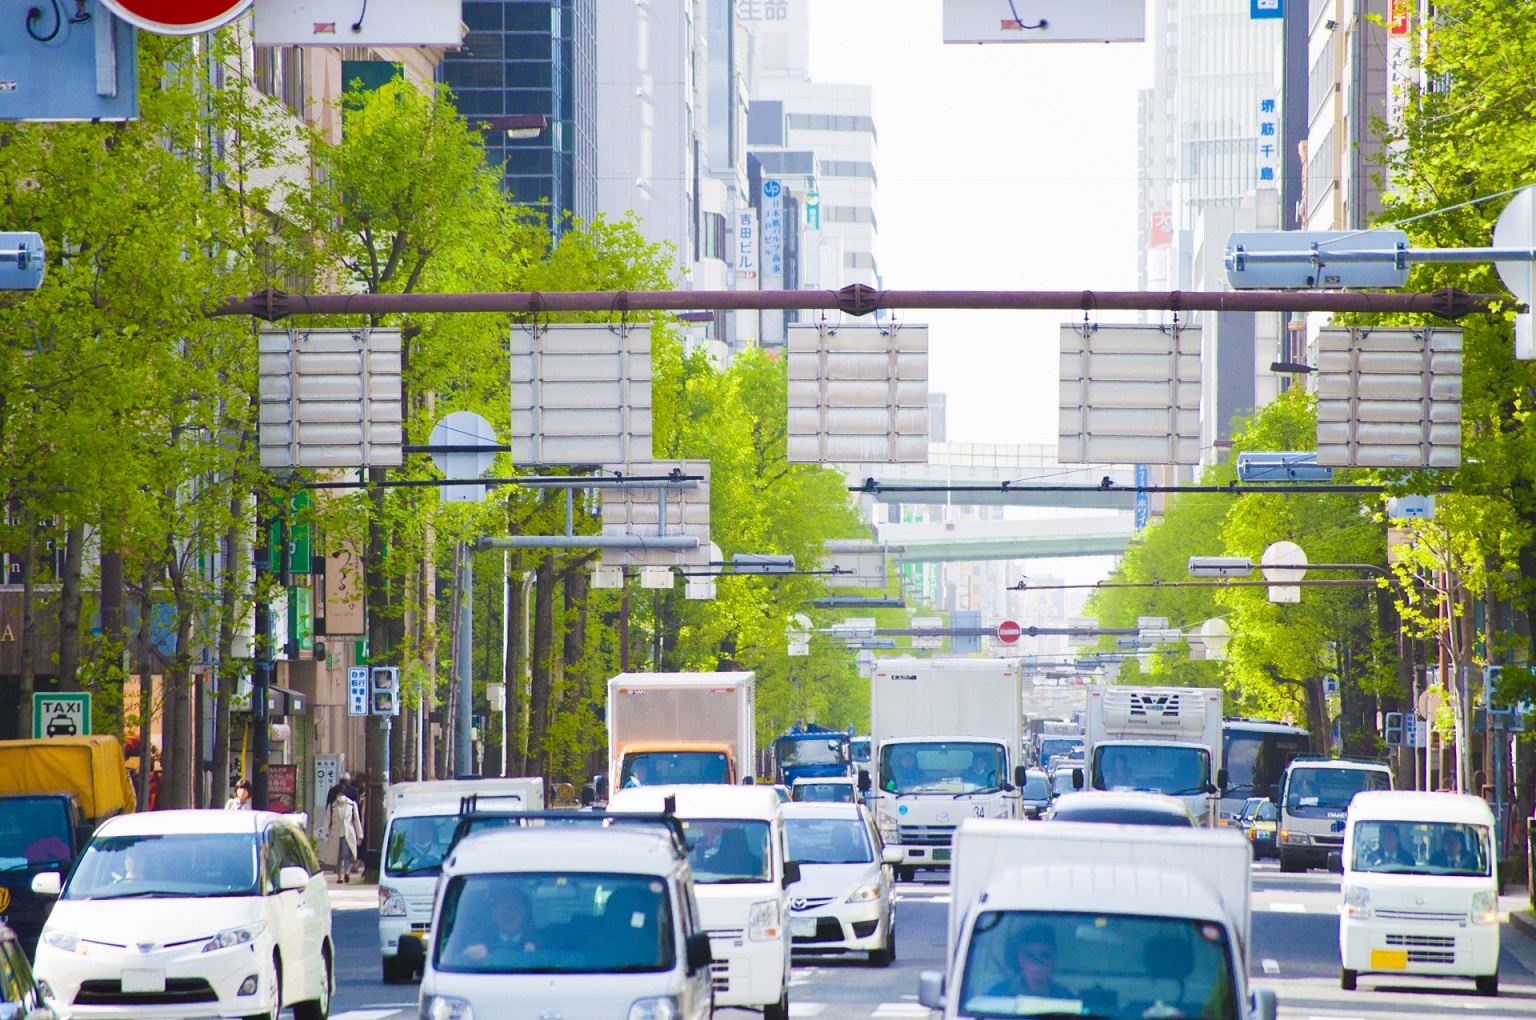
[1389, 959]
[941, 855]
[802, 926]
[143, 979]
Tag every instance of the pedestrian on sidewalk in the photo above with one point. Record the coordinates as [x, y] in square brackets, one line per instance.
[241, 801]
[341, 833]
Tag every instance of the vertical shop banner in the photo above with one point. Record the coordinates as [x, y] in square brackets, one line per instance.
[282, 788]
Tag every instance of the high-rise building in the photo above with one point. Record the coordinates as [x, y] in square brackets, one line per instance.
[533, 58]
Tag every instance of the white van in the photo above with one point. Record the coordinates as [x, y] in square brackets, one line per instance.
[1421, 893]
[422, 819]
[1313, 799]
[736, 847]
[580, 922]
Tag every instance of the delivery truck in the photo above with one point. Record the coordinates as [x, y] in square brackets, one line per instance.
[948, 744]
[1068, 918]
[680, 728]
[53, 794]
[1158, 740]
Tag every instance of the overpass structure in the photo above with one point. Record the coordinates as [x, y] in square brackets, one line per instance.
[959, 541]
[1031, 471]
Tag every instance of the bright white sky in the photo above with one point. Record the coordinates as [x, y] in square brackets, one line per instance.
[1001, 167]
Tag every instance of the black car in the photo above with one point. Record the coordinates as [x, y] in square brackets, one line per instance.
[19, 997]
[1036, 792]
[1121, 809]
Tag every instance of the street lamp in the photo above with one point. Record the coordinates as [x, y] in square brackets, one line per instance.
[1220, 566]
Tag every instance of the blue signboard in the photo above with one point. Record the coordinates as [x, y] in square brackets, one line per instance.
[1266, 8]
[357, 690]
[56, 66]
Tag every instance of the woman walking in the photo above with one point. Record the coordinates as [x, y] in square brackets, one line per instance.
[342, 832]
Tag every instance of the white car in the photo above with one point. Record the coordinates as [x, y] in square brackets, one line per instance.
[824, 790]
[577, 921]
[845, 898]
[172, 914]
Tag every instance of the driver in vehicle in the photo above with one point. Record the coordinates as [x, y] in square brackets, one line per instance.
[1453, 854]
[1390, 849]
[1035, 956]
[421, 849]
[511, 934]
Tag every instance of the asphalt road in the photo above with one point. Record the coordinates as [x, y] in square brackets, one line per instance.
[1295, 952]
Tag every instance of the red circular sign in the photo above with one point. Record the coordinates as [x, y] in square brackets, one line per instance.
[178, 17]
[1008, 632]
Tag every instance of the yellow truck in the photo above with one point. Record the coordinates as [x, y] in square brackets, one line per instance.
[53, 794]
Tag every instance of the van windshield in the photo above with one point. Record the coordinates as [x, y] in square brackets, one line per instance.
[1174, 770]
[559, 923]
[727, 850]
[673, 768]
[1022, 964]
[174, 865]
[34, 833]
[1313, 792]
[1422, 848]
[813, 749]
[418, 844]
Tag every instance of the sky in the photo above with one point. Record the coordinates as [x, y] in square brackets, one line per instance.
[1001, 167]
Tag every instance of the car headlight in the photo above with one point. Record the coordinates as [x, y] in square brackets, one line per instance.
[763, 921]
[864, 893]
[662, 1007]
[445, 1007]
[45, 990]
[68, 941]
[1357, 901]
[235, 936]
[1485, 908]
[391, 902]
[887, 828]
[1294, 838]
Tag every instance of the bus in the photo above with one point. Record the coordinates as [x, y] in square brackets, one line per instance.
[1255, 753]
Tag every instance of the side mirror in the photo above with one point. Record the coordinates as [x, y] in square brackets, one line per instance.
[891, 855]
[1221, 779]
[600, 787]
[1020, 776]
[1077, 779]
[864, 783]
[930, 989]
[588, 794]
[47, 883]
[1261, 1004]
[696, 946]
[292, 877]
[791, 873]
[1336, 862]
[748, 781]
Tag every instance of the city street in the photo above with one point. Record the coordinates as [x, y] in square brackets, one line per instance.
[1295, 935]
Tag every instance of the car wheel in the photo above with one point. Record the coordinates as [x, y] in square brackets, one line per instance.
[394, 971]
[778, 1010]
[883, 956]
[1348, 978]
[318, 1008]
[277, 996]
[1290, 865]
[1488, 984]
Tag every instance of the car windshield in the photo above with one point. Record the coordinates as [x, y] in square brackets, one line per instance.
[941, 768]
[564, 923]
[1037, 786]
[418, 844]
[34, 833]
[1107, 965]
[1256, 759]
[859, 749]
[1318, 790]
[1179, 771]
[165, 865]
[1421, 848]
[1062, 782]
[811, 749]
[1050, 747]
[727, 850]
[828, 840]
[826, 793]
[671, 768]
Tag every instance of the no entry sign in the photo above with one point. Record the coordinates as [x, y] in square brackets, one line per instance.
[178, 17]
[1008, 632]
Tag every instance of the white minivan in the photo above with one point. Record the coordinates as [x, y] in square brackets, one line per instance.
[576, 921]
[1421, 892]
[736, 847]
[189, 914]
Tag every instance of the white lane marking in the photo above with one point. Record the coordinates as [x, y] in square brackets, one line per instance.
[910, 998]
[1292, 908]
[907, 898]
[1330, 1017]
[1271, 966]
[369, 1014]
[900, 1009]
[796, 982]
[807, 1008]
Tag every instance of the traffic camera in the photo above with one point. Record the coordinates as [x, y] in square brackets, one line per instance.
[384, 691]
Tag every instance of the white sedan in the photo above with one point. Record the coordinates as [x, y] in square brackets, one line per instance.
[845, 899]
[173, 914]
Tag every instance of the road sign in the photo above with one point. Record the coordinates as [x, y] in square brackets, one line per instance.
[1008, 632]
[330, 398]
[1129, 394]
[1516, 228]
[463, 428]
[1330, 685]
[858, 394]
[343, 23]
[1388, 397]
[60, 715]
[327, 774]
[1044, 21]
[581, 393]
[357, 690]
[178, 17]
[22, 260]
[1430, 702]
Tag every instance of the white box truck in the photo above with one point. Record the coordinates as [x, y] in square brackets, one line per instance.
[947, 737]
[1157, 739]
[668, 729]
[1066, 918]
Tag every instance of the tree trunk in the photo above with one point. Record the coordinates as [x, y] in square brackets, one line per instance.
[28, 625]
[543, 654]
[70, 598]
[227, 673]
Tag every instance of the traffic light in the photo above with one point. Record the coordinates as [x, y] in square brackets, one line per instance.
[1392, 731]
[384, 691]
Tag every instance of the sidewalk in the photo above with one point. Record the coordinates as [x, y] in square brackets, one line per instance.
[1525, 921]
[353, 895]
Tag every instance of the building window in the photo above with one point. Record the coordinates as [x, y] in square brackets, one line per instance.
[831, 122]
[848, 168]
[849, 214]
[712, 237]
[859, 260]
